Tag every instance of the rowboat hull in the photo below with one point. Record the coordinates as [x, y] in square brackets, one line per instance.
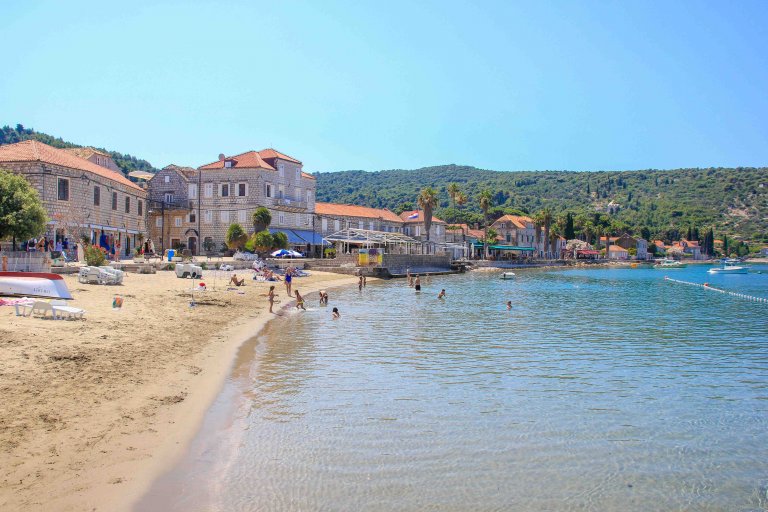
[33, 284]
[508, 275]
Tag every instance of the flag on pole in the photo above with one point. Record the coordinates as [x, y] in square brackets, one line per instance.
[414, 215]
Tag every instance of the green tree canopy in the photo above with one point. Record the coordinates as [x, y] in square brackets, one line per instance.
[261, 219]
[279, 240]
[236, 236]
[21, 212]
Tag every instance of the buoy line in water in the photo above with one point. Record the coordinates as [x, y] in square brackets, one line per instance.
[707, 287]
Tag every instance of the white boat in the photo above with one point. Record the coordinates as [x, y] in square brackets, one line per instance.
[729, 268]
[669, 264]
[507, 275]
[34, 284]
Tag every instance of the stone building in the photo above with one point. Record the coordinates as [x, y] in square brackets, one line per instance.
[227, 191]
[332, 217]
[517, 236]
[83, 199]
[413, 225]
[95, 156]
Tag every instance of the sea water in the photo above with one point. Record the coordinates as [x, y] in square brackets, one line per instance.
[600, 389]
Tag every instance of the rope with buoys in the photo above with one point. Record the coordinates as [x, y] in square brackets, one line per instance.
[706, 286]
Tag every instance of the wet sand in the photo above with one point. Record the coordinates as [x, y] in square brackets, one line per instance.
[95, 410]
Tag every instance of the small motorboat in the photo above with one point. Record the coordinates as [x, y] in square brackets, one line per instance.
[33, 284]
[669, 264]
[507, 275]
[729, 268]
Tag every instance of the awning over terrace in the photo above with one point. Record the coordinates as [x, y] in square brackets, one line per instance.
[369, 237]
[301, 237]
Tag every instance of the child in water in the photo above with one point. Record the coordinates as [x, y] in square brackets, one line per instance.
[299, 300]
[335, 315]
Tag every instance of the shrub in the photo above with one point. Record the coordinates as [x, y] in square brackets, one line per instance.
[236, 236]
[279, 240]
[204, 266]
[94, 256]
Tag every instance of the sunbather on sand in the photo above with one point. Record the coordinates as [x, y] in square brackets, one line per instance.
[235, 281]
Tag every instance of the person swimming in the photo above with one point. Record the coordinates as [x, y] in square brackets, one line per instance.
[335, 314]
[509, 305]
[441, 295]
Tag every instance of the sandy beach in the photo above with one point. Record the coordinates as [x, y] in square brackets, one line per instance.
[94, 410]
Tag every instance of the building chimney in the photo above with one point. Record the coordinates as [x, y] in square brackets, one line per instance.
[221, 157]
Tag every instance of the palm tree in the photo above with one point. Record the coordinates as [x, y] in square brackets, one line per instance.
[453, 192]
[261, 218]
[461, 199]
[427, 201]
[485, 199]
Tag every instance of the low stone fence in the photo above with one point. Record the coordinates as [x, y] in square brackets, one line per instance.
[21, 261]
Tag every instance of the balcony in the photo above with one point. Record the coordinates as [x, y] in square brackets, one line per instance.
[289, 204]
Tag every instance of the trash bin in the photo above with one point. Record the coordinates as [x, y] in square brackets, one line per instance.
[171, 252]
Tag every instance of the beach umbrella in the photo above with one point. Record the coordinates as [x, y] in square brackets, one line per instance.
[279, 253]
[295, 254]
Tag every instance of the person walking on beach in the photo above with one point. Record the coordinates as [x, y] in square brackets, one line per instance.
[271, 297]
[335, 315]
[299, 301]
[288, 280]
[441, 295]
[417, 283]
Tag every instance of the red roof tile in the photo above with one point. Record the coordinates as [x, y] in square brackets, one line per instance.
[271, 154]
[518, 220]
[348, 210]
[35, 151]
[419, 217]
[247, 160]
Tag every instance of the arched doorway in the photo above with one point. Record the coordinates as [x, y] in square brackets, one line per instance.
[192, 245]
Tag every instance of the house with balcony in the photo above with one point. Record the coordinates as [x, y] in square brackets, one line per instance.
[517, 237]
[83, 199]
[229, 190]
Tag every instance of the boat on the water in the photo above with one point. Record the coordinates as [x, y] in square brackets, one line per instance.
[33, 284]
[507, 275]
[669, 264]
[729, 267]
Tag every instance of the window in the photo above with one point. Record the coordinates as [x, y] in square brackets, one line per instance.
[298, 194]
[192, 191]
[298, 174]
[337, 225]
[208, 216]
[242, 189]
[241, 216]
[309, 196]
[324, 224]
[127, 204]
[96, 196]
[224, 216]
[159, 222]
[307, 220]
[208, 192]
[280, 191]
[177, 222]
[141, 207]
[227, 164]
[281, 170]
[168, 197]
[224, 189]
[361, 225]
[281, 218]
[114, 200]
[192, 217]
[268, 189]
[63, 189]
[167, 179]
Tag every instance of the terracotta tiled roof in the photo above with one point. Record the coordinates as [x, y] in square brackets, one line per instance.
[617, 248]
[308, 176]
[271, 154]
[86, 152]
[419, 218]
[518, 221]
[692, 243]
[348, 210]
[247, 160]
[187, 172]
[34, 151]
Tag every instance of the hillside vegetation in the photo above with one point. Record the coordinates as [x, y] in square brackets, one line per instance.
[125, 162]
[667, 203]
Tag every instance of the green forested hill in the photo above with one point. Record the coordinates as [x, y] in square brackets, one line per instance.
[125, 162]
[667, 203]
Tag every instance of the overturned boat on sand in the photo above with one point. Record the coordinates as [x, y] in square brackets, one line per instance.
[33, 284]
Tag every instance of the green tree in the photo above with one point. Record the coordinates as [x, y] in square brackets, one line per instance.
[22, 214]
[261, 218]
[485, 200]
[545, 218]
[453, 192]
[279, 240]
[427, 201]
[236, 236]
[569, 233]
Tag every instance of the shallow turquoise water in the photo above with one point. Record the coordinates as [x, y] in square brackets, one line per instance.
[602, 389]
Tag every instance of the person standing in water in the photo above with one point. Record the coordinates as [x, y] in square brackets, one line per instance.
[299, 301]
[271, 297]
[417, 283]
[360, 282]
[335, 315]
[323, 297]
[288, 279]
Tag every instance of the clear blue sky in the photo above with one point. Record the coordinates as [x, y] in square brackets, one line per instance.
[381, 85]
